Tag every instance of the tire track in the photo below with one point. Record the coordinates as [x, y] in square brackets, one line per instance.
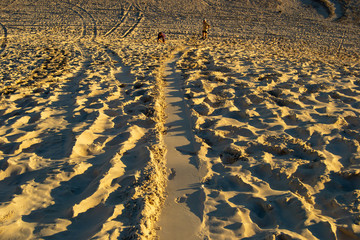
[84, 25]
[133, 27]
[123, 18]
[4, 38]
[126, 18]
[86, 18]
[132, 15]
[92, 20]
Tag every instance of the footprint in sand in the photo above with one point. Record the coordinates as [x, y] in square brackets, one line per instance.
[172, 174]
[181, 199]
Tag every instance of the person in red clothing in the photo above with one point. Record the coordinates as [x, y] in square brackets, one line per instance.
[161, 37]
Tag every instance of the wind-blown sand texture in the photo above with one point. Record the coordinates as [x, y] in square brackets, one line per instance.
[81, 145]
[278, 135]
[272, 99]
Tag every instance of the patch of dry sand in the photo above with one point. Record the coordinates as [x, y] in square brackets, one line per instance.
[81, 148]
[279, 134]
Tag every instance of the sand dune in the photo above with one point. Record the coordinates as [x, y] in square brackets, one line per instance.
[270, 102]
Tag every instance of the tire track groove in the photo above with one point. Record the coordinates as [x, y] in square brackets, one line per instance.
[133, 27]
[85, 17]
[123, 18]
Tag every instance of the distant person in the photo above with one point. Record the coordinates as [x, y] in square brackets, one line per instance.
[161, 37]
[205, 29]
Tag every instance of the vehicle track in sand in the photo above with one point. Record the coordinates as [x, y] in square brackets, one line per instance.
[122, 17]
[130, 18]
[89, 26]
[138, 19]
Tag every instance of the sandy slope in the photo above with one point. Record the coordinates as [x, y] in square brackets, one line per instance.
[273, 97]
[278, 134]
[79, 140]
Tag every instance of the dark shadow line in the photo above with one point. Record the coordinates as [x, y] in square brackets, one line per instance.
[4, 42]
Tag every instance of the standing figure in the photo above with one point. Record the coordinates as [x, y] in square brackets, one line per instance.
[205, 29]
[161, 37]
